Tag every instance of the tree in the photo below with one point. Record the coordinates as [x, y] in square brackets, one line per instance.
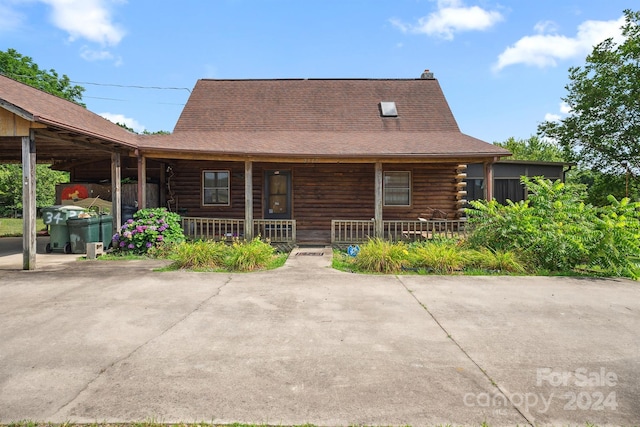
[22, 68]
[144, 132]
[11, 188]
[602, 131]
[533, 148]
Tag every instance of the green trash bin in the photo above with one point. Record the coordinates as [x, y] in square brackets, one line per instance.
[83, 231]
[106, 230]
[55, 217]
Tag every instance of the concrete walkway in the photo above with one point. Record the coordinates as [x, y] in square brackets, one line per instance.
[87, 341]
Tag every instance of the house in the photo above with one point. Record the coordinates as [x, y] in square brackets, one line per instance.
[308, 153]
[295, 160]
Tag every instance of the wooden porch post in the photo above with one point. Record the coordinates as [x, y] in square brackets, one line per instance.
[163, 185]
[488, 180]
[29, 201]
[116, 191]
[248, 200]
[142, 182]
[379, 229]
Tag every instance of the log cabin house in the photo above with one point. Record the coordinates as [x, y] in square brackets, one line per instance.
[317, 160]
[313, 161]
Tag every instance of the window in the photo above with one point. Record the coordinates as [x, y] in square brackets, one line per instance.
[388, 109]
[215, 188]
[397, 188]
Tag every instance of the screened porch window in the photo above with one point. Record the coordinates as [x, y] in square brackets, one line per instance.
[397, 188]
[215, 188]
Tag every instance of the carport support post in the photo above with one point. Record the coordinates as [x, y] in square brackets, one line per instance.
[488, 180]
[379, 229]
[248, 199]
[29, 201]
[116, 191]
[142, 182]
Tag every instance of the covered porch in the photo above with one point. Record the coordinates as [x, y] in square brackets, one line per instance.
[317, 202]
[342, 232]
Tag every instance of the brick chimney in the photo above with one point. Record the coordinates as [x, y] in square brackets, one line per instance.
[427, 75]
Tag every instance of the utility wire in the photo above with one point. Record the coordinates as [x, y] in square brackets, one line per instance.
[132, 86]
[105, 84]
[128, 100]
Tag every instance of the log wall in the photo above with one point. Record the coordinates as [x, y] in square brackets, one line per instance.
[321, 191]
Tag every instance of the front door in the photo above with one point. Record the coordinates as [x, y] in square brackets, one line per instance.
[277, 190]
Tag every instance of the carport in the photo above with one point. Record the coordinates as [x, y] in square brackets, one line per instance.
[37, 127]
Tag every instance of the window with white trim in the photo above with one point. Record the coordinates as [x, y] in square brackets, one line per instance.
[215, 188]
[397, 188]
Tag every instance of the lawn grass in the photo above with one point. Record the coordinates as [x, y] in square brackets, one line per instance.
[12, 227]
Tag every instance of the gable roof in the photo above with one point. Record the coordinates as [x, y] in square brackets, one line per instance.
[320, 118]
[315, 105]
[41, 107]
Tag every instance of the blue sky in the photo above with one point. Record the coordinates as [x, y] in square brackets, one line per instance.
[502, 64]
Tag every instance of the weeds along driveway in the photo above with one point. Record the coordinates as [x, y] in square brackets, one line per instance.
[115, 341]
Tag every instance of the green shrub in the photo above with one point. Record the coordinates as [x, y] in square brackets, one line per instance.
[441, 257]
[381, 256]
[550, 230]
[148, 228]
[555, 231]
[486, 259]
[249, 256]
[199, 255]
[617, 246]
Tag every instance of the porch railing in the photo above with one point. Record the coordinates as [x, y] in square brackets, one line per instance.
[213, 228]
[275, 230]
[342, 231]
[359, 231]
[351, 231]
[424, 230]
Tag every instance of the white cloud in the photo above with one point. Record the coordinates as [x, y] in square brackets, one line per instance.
[91, 55]
[95, 55]
[546, 27]
[86, 19]
[451, 17]
[555, 117]
[565, 108]
[120, 118]
[544, 50]
[10, 19]
[550, 117]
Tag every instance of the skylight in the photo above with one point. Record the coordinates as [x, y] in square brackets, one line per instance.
[388, 109]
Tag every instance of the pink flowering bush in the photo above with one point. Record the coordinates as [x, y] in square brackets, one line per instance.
[149, 228]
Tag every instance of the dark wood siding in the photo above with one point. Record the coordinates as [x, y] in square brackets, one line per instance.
[186, 185]
[433, 187]
[321, 191]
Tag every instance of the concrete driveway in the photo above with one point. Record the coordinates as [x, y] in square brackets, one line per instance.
[87, 341]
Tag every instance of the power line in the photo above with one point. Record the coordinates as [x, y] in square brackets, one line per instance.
[106, 84]
[128, 100]
[132, 86]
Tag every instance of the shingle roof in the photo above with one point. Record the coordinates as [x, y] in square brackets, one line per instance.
[329, 118]
[352, 144]
[60, 113]
[320, 118]
[315, 105]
